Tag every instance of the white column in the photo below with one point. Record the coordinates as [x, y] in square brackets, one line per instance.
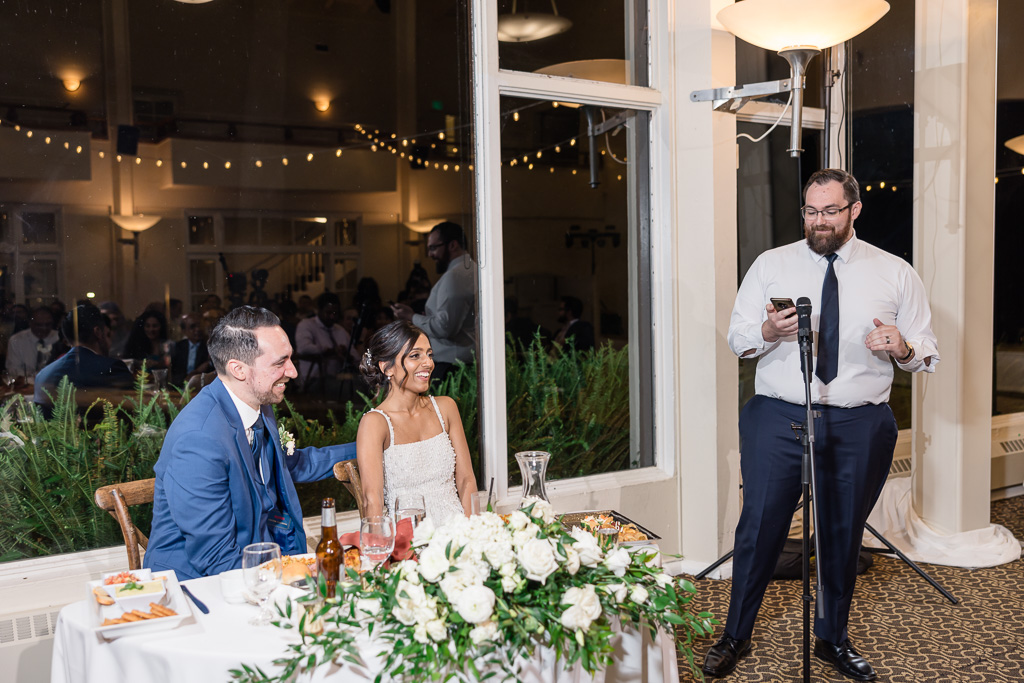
[704, 170]
[954, 160]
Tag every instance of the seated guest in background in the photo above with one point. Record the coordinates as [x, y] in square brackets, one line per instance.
[29, 351]
[223, 480]
[289, 318]
[324, 341]
[120, 328]
[189, 356]
[86, 364]
[579, 331]
[148, 340]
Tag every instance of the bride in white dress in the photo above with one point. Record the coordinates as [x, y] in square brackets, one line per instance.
[412, 442]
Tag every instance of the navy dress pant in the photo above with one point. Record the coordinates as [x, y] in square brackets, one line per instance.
[853, 451]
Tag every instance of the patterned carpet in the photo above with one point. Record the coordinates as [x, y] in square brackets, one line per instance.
[902, 625]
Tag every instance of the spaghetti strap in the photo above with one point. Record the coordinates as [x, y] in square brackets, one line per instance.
[391, 429]
[438, 411]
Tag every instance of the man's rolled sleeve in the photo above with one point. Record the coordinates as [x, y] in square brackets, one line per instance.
[914, 321]
[748, 314]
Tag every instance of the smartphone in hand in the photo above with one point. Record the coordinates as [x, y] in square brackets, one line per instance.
[782, 304]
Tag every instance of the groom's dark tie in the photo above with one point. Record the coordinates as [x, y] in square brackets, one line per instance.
[263, 453]
[827, 366]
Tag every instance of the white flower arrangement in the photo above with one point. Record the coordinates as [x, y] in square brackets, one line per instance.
[486, 591]
[287, 440]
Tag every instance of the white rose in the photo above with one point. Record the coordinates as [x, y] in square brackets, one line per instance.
[476, 604]
[586, 545]
[509, 583]
[518, 520]
[405, 615]
[420, 633]
[508, 569]
[639, 594]
[484, 633]
[537, 558]
[572, 560]
[454, 583]
[663, 580]
[437, 630]
[573, 618]
[367, 606]
[617, 591]
[433, 563]
[408, 570]
[617, 561]
[585, 598]
[423, 533]
[498, 552]
[541, 510]
[524, 536]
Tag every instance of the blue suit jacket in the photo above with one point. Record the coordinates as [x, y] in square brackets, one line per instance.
[206, 505]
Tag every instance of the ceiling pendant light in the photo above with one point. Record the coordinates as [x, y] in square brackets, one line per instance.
[524, 27]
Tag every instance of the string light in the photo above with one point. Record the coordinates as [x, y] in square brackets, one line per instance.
[440, 136]
[309, 157]
[881, 185]
[284, 161]
[259, 164]
[184, 165]
[138, 160]
[515, 116]
[47, 139]
[227, 165]
[159, 162]
[337, 152]
[206, 165]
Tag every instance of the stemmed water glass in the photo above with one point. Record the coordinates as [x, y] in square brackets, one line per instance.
[261, 569]
[376, 539]
[410, 505]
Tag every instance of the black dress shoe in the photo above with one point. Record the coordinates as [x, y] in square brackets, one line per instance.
[724, 655]
[847, 660]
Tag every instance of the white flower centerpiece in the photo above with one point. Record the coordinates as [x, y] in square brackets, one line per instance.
[485, 591]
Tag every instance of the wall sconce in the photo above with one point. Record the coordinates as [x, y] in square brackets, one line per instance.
[134, 223]
[322, 103]
[424, 226]
[72, 84]
[797, 30]
[522, 28]
[1016, 144]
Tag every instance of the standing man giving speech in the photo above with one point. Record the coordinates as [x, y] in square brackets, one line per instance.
[869, 309]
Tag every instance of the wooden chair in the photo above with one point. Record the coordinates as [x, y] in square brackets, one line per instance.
[348, 474]
[115, 499]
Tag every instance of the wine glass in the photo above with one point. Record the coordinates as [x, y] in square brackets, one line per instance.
[410, 505]
[261, 569]
[376, 539]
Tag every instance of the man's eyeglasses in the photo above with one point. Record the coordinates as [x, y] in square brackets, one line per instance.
[810, 214]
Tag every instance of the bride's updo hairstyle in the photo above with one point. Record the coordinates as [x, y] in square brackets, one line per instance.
[390, 345]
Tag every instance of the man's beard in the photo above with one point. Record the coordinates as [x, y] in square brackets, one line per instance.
[828, 242]
[266, 397]
[442, 266]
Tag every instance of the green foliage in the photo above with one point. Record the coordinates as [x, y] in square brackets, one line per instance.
[50, 469]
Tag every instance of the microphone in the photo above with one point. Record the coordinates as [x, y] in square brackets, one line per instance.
[803, 314]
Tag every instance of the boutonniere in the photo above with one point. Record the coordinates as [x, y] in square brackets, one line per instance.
[287, 440]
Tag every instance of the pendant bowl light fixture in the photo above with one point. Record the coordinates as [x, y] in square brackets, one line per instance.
[797, 30]
[525, 26]
[135, 222]
[1016, 144]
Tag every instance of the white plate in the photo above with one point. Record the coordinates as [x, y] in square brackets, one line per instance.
[173, 598]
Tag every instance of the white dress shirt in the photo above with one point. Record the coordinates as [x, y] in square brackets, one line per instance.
[449, 316]
[249, 417]
[872, 284]
[312, 336]
[27, 354]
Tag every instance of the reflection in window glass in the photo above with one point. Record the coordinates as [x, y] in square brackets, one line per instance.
[330, 115]
[577, 38]
[568, 243]
[1009, 239]
[201, 230]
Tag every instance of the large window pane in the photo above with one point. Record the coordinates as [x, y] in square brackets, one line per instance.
[285, 158]
[576, 287]
[602, 40]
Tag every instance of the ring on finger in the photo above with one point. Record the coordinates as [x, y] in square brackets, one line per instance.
[888, 341]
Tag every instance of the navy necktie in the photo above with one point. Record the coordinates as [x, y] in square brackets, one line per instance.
[827, 366]
[262, 452]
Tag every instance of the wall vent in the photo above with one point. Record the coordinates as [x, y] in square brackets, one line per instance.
[900, 466]
[21, 628]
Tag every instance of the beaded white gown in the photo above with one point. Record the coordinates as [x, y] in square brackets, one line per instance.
[425, 467]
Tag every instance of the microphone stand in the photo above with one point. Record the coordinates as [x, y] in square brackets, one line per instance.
[810, 493]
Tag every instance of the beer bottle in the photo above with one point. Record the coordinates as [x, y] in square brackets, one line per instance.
[330, 555]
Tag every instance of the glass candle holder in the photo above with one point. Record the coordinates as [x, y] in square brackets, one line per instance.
[534, 466]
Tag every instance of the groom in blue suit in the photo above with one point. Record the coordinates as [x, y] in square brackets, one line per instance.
[223, 480]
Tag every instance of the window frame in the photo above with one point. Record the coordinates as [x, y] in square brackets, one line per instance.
[490, 84]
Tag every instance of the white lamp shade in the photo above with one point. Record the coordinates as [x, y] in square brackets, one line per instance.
[607, 70]
[424, 226]
[523, 27]
[135, 222]
[780, 24]
[1016, 144]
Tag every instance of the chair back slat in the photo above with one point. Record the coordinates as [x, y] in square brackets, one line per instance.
[348, 474]
[116, 499]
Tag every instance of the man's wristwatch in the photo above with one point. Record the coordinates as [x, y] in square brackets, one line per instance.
[910, 352]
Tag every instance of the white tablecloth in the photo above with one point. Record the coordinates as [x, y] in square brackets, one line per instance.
[206, 646]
